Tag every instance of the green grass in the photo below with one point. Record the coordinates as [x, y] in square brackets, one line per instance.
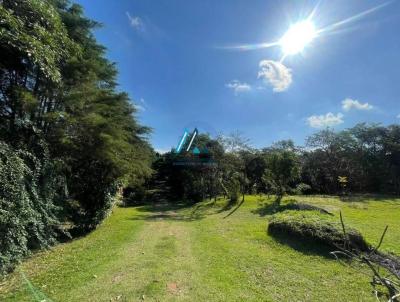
[200, 253]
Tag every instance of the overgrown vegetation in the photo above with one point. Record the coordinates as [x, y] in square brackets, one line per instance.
[68, 138]
[29, 193]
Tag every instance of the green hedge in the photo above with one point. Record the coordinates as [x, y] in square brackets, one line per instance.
[314, 226]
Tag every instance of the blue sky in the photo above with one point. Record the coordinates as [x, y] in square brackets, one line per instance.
[175, 62]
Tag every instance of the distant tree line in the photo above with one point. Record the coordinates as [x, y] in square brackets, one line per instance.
[362, 159]
[68, 138]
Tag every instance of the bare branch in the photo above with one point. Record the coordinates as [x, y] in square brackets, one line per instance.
[381, 240]
[374, 260]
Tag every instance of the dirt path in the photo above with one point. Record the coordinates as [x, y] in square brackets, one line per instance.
[157, 266]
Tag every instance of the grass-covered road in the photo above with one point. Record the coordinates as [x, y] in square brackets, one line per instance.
[195, 254]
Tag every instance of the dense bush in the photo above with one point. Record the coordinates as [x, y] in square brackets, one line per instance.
[28, 215]
[314, 226]
[134, 196]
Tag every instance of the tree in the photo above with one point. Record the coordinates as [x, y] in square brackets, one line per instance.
[334, 155]
[231, 176]
[234, 142]
[282, 169]
[58, 92]
[188, 176]
[367, 154]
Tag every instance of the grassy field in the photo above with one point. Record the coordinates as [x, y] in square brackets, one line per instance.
[201, 253]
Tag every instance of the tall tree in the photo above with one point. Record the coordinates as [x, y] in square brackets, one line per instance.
[57, 87]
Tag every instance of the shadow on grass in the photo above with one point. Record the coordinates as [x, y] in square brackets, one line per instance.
[164, 206]
[226, 207]
[291, 204]
[368, 197]
[303, 245]
[235, 209]
[173, 211]
[268, 209]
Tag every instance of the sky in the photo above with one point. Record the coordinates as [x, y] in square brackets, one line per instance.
[188, 64]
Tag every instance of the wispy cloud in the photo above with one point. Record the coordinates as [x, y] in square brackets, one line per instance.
[141, 105]
[275, 74]
[135, 22]
[349, 104]
[238, 87]
[327, 120]
[398, 116]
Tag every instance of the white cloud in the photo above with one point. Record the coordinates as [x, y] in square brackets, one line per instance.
[238, 87]
[141, 106]
[348, 104]
[275, 74]
[136, 22]
[327, 120]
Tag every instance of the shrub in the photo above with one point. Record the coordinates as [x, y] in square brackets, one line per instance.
[302, 188]
[88, 217]
[193, 189]
[108, 202]
[313, 226]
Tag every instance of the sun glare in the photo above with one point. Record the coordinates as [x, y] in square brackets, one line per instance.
[297, 37]
[302, 33]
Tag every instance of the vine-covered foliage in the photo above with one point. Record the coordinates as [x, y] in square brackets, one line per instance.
[29, 191]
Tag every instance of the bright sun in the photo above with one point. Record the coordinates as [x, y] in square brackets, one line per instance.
[297, 37]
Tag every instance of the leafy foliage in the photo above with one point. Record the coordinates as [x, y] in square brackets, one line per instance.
[29, 190]
[368, 155]
[283, 168]
[33, 36]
